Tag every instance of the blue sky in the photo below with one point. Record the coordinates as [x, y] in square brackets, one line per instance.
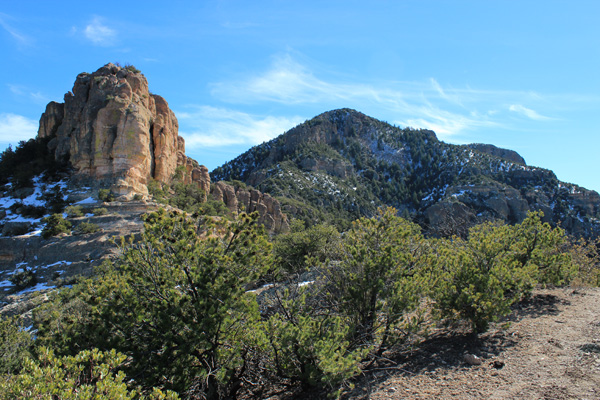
[524, 75]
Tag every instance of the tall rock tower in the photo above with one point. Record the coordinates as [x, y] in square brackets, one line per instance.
[116, 134]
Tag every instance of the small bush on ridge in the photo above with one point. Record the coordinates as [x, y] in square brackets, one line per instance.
[55, 224]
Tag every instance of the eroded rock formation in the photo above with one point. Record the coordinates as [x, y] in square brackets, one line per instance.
[116, 133]
[239, 199]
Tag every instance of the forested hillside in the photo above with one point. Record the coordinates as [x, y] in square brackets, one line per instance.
[343, 164]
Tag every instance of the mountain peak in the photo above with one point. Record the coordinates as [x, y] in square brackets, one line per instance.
[343, 164]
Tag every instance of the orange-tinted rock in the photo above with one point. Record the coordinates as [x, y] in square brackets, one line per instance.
[114, 132]
[238, 200]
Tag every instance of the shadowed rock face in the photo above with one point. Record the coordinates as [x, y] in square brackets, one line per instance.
[115, 133]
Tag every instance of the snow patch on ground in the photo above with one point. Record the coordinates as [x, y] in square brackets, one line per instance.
[461, 193]
[35, 199]
[36, 288]
[89, 200]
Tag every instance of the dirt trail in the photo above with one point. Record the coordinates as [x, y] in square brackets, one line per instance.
[551, 350]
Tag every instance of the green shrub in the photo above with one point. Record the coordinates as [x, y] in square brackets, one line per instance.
[186, 197]
[34, 211]
[295, 251]
[99, 211]
[478, 279]
[213, 208]
[55, 200]
[87, 227]
[15, 345]
[175, 303]
[131, 68]
[106, 195]
[23, 279]
[55, 224]
[586, 257]
[74, 211]
[156, 190]
[29, 159]
[380, 278]
[90, 374]
[311, 347]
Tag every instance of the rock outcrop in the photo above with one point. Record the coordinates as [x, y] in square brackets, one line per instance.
[507, 154]
[239, 199]
[115, 133]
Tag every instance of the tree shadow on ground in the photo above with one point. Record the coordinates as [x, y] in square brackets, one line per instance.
[445, 349]
[536, 306]
[441, 352]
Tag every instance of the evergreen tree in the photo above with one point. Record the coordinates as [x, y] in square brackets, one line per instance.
[379, 278]
[481, 277]
[175, 302]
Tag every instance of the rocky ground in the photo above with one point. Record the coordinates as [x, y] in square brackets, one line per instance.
[549, 348]
[55, 261]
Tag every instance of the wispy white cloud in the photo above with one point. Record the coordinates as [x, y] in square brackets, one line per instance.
[421, 104]
[14, 33]
[99, 33]
[14, 128]
[527, 112]
[16, 89]
[39, 97]
[290, 83]
[22, 91]
[450, 96]
[438, 88]
[285, 82]
[206, 126]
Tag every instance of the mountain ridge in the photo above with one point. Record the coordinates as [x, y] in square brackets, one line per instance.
[346, 164]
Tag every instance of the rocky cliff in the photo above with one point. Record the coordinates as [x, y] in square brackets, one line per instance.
[250, 200]
[507, 154]
[117, 134]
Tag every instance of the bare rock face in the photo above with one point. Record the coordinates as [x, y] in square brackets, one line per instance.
[332, 167]
[201, 176]
[51, 119]
[114, 132]
[466, 206]
[238, 199]
[507, 154]
[118, 135]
